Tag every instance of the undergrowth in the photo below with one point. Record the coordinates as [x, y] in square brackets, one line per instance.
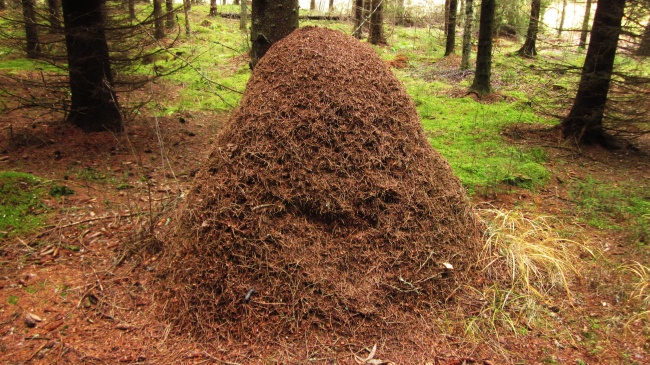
[469, 135]
[21, 205]
[530, 265]
[615, 207]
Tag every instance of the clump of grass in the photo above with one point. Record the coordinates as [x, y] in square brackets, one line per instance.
[21, 206]
[528, 261]
[641, 291]
[536, 258]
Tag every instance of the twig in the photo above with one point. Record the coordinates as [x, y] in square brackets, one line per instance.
[95, 219]
[219, 360]
[36, 352]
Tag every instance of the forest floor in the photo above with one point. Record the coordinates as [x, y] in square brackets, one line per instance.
[80, 288]
[85, 279]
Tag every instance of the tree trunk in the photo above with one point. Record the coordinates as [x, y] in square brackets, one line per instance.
[213, 7]
[367, 10]
[170, 21]
[358, 19]
[560, 28]
[33, 47]
[585, 25]
[529, 48]
[644, 47]
[584, 124]
[451, 27]
[312, 5]
[236, 2]
[158, 21]
[131, 9]
[467, 34]
[243, 15]
[331, 6]
[271, 21]
[481, 84]
[376, 35]
[94, 104]
[54, 15]
[447, 6]
[3, 6]
[187, 6]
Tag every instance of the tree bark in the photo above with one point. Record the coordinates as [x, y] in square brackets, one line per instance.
[236, 2]
[243, 15]
[358, 19]
[560, 28]
[584, 124]
[585, 25]
[33, 47]
[158, 21]
[170, 16]
[529, 49]
[331, 6]
[312, 5]
[131, 9]
[187, 6]
[467, 34]
[644, 47]
[94, 104]
[54, 15]
[271, 20]
[376, 35]
[481, 84]
[3, 6]
[447, 6]
[451, 27]
[213, 7]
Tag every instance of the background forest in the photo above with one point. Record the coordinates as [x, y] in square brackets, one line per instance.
[551, 148]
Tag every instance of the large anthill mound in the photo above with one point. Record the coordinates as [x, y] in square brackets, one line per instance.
[324, 202]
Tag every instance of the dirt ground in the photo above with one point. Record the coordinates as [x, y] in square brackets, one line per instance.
[80, 289]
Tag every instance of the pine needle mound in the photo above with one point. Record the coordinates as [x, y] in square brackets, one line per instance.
[324, 196]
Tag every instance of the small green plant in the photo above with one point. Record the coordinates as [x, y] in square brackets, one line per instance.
[91, 174]
[21, 206]
[60, 190]
[13, 300]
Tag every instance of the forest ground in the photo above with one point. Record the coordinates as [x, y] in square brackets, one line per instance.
[77, 289]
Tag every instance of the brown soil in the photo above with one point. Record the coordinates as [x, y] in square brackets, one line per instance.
[90, 278]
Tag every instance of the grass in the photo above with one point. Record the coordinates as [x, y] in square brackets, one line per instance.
[615, 207]
[469, 135]
[21, 206]
[537, 259]
[529, 263]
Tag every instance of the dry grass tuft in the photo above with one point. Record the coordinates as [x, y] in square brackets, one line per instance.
[527, 262]
[640, 291]
[536, 258]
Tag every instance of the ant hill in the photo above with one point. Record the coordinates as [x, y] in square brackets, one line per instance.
[322, 213]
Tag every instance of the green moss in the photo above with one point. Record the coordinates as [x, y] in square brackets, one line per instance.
[21, 206]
